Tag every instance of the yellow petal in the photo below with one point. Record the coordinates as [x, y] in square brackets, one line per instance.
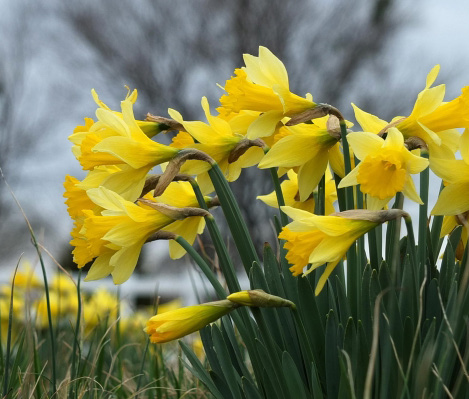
[450, 170]
[394, 139]
[376, 204]
[115, 123]
[124, 262]
[427, 101]
[432, 75]
[274, 69]
[293, 150]
[325, 275]
[368, 122]
[410, 191]
[106, 199]
[464, 145]
[364, 143]
[350, 179]
[100, 267]
[264, 125]
[453, 199]
[311, 173]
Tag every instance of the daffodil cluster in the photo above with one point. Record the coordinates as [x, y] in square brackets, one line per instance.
[119, 205]
[30, 305]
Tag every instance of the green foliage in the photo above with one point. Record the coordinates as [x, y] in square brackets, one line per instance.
[389, 328]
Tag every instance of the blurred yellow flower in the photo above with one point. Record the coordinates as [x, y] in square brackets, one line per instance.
[385, 167]
[177, 323]
[262, 85]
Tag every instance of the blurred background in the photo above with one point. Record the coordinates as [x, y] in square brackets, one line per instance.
[375, 53]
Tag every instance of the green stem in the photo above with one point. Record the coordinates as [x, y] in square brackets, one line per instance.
[234, 219]
[203, 266]
[347, 164]
[279, 194]
[139, 380]
[74, 375]
[423, 218]
[49, 316]
[321, 200]
[411, 240]
[8, 348]
[396, 235]
[226, 265]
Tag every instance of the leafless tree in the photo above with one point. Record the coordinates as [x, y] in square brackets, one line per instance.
[174, 52]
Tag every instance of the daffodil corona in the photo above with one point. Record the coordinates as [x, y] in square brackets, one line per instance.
[385, 167]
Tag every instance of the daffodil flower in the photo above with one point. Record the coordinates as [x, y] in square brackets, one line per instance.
[317, 240]
[219, 141]
[454, 198]
[385, 167]
[309, 148]
[262, 85]
[115, 236]
[174, 324]
[431, 119]
[117, 139]
[291, 194]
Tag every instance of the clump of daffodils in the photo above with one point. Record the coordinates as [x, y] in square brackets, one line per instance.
[123, 202]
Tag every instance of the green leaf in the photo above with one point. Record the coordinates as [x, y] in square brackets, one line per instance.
[295, 385]
[199, 371]
[250, 390]
[316, 389]
[232, 379]
[332, 356]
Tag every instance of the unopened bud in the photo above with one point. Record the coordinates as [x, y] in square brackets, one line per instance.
[259, 298]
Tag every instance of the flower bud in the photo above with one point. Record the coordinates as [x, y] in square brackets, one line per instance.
[259, 298]
[177, 323]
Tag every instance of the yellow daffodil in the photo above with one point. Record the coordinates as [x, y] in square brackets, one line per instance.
[454, 198]
[291, 194]
[309, 148]
[101, 306]
[181, 194]
[118, 140]
[116, 235]
[232, 151]
[262, 85]
[385, 167]
[317, 240]
[449, 224]
[431, 119]
[177, 323]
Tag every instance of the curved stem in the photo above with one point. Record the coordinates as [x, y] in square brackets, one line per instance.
[203, 266]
